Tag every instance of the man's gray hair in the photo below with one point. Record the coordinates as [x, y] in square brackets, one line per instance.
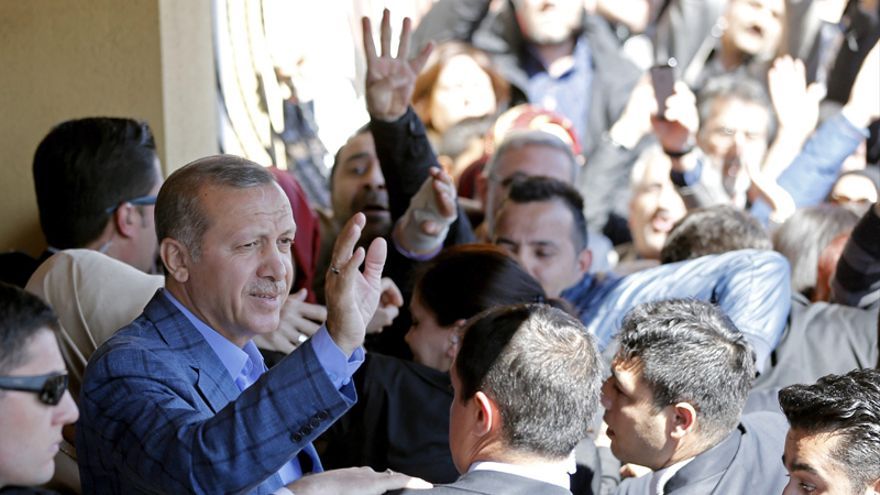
[179, 214]
[690, 351]
[521, 139]
[513, 141]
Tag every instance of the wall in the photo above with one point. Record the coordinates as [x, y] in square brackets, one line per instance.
[60, 59]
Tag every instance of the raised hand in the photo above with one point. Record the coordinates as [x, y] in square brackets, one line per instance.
[863, 106]
[796, 104]
[352, 296]
[390, 80]
[677, 128]
[424, 226]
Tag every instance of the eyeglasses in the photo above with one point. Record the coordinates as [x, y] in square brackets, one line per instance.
[50, 388]
[139, 201]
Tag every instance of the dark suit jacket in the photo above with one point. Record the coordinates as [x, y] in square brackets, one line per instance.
[401, 421]
[748, 461]
[160, 413]
[491, 483]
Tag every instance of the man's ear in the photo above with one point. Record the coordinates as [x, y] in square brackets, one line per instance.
[585, 260]
[877, 487]
[124, 221]
[487, 414]
[684, 420]
[176, 258]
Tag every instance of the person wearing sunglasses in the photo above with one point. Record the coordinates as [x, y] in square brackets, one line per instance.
[34, 401]
[96, 181]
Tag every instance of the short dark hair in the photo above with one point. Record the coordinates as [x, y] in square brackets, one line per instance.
[848, 407]
[364, 129]
[468, 279]
[537, 189]
[22, 315]
[735, 86]
[542, 369]
[179, 214]
[804, 235]
[83, 167]
[713, 230]
[690, 351]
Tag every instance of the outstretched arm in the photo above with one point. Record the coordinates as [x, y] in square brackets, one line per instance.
[752, 287]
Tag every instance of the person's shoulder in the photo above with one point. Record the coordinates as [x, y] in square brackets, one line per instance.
[633, 485]
[765, 421]
[489, 482]
[141, 346]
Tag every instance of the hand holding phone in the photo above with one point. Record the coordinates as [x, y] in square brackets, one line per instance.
[663, 81]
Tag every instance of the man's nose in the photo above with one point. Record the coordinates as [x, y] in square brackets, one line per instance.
[375, 179]
[525, 261]
[276, 264]
[66, 411]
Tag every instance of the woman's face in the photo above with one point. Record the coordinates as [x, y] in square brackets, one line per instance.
[463, 90]
[432, 345]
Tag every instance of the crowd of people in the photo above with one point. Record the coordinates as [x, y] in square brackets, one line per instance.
[579, 248]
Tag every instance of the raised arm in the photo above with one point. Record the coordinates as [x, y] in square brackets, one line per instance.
[752, 287]
[856, 281]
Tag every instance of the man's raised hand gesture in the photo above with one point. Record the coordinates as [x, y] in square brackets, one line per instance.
[390, 80]
[352, 296]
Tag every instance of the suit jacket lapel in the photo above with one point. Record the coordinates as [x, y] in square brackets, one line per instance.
[214, 384]
[712, 463]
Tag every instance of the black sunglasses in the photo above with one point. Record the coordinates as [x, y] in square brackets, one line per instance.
[50, 388]
[139, 201]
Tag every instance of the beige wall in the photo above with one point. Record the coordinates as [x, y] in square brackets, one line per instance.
[63, 59]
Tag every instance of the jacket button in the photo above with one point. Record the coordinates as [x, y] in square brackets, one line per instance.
[322, 415]
[297, 437]
[315, 422]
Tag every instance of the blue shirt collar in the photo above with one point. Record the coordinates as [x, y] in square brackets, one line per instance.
[233, 357]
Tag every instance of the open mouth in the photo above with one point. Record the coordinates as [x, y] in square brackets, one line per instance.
[661, 222]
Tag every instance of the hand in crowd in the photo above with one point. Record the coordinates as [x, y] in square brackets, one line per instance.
[355, 481]
[423, 228]
[635, 121]
[444, 197]
[863, 106]
[299, 321]
[390, 80]
[677, 128]
[796, 103]
[633, 471]
[781, 203]
[352, 296]
[389, 306]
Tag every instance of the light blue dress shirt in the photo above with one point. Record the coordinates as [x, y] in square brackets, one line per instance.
[246, 365]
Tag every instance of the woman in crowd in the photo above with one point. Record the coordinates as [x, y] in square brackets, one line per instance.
[401, 419]
[458, 83]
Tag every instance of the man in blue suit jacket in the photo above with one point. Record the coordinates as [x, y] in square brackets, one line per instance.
[180, 400]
